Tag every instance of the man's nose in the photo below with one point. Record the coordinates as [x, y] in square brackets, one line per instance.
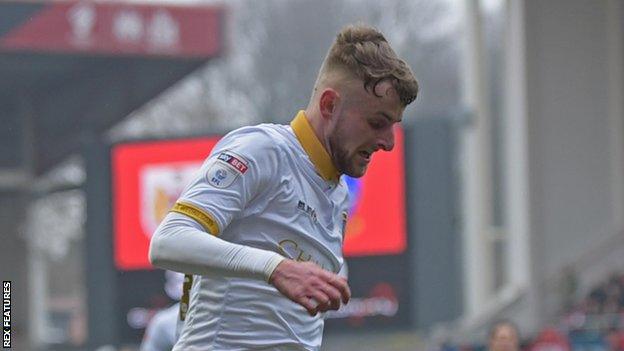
[386, 140]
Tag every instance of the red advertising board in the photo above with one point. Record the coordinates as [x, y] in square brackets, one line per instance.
[147, 180]
[149, 176]
[119, 29]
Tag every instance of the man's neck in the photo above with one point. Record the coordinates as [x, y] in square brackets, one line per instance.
[316, 122]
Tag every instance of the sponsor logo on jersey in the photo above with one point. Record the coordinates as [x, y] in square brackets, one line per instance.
[234, 161]
[225, 169]
[292, 249]
[302, 206]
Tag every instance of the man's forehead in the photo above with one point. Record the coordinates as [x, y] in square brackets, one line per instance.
[385, 88]
[390, 105]
[378, 97]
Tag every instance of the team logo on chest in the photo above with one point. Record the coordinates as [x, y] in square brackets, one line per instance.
[302, 206]
[225, 169]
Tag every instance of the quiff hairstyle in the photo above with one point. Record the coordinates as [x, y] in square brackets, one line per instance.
[363, 52]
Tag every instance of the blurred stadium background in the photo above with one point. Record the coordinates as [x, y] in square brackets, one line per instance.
[506, 198]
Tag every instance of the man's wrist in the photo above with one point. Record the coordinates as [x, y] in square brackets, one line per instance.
[271, 265]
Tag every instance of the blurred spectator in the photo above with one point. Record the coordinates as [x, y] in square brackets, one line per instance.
[163, 329]
[602, 309]
[615, 340]
[503, 336]
[568, 287]
[161, 333]
[595, 322]
[550, 339]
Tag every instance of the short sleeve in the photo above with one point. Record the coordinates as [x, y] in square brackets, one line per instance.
[240, 167]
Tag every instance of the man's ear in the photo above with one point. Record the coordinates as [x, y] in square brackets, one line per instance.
[328, 102]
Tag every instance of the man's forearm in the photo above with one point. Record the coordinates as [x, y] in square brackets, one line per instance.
[179, 244]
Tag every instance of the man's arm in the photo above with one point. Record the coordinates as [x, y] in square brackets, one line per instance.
[179, 244]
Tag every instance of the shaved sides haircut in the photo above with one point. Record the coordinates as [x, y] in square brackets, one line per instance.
[362, 52]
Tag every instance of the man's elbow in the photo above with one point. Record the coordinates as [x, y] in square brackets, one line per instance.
[155, 252]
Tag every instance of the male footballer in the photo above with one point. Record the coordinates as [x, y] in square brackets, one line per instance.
[259, 231]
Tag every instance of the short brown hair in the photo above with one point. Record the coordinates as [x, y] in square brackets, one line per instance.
[364, 52]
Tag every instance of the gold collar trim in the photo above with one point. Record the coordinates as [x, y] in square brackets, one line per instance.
[314, 148]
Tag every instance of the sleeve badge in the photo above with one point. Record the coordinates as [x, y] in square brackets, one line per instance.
[225, 169]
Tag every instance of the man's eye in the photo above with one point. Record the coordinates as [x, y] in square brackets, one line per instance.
[376, 124]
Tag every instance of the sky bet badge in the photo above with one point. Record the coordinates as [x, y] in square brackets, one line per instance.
[225, 169]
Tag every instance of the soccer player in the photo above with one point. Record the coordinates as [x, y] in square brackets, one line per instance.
[261, 226]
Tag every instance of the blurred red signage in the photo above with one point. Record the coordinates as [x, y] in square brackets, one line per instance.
[119, 29]
[376, 223]
[148, 177]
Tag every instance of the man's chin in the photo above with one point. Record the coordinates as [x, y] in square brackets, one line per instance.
[356, 172]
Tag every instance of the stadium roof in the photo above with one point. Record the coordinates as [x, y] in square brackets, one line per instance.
[70, 70]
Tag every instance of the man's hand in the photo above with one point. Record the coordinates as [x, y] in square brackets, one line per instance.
[310, 286]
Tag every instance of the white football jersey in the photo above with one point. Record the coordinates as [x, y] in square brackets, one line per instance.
[271, 187]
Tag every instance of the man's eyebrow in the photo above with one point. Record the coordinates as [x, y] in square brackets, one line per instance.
[389, 118]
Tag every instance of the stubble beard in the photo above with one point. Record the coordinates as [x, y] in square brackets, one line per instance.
[340, 155]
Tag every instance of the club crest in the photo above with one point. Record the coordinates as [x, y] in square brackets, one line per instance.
[161, 185]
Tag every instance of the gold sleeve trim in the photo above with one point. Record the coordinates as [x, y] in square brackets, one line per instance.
[206, 220]
[199, 215]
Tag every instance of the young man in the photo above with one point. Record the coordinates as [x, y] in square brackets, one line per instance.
[273, 200]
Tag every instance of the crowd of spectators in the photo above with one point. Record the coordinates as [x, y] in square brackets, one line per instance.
[594, 322]
[597, 319]
[602, 309]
